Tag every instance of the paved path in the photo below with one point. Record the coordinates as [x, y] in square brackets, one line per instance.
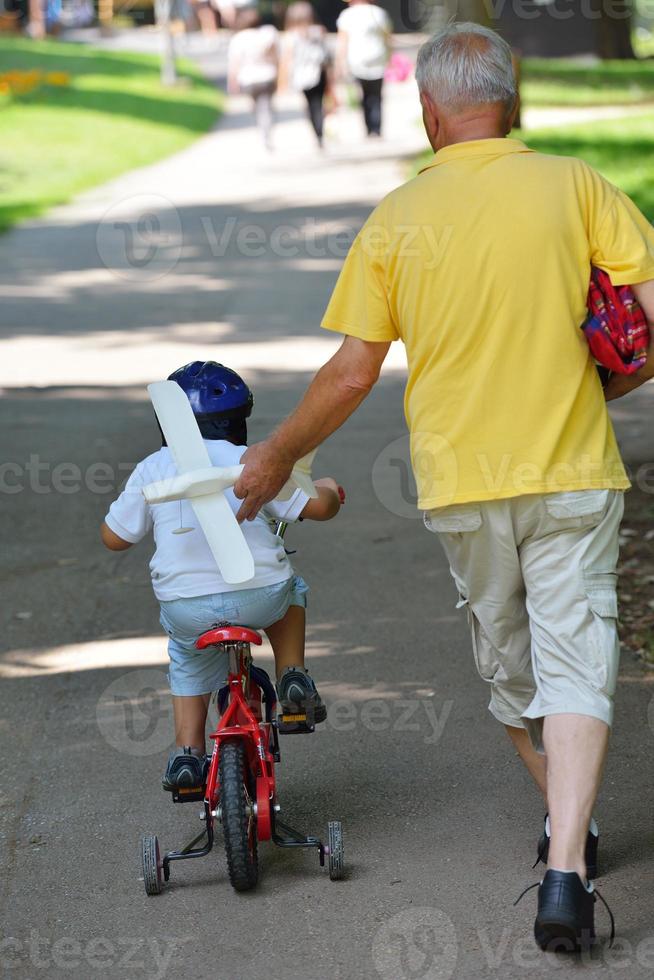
[226, 252]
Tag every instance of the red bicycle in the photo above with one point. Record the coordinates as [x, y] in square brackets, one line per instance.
[240, 791]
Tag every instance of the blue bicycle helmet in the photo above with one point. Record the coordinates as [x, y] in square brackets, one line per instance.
[220, 399]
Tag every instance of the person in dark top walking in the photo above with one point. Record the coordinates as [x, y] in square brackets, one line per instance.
[306, 61]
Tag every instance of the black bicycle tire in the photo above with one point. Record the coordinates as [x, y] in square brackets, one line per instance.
[239, 826]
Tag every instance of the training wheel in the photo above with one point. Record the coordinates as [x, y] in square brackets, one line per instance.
[335, 845]
[151, 862]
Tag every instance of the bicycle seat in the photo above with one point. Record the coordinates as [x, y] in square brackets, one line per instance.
[227, 634]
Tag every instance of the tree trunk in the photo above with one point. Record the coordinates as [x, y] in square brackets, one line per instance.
[614, 30]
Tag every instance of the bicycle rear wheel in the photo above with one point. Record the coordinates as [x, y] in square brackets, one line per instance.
[238, 817]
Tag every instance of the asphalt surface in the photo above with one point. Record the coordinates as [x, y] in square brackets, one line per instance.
[440, 821]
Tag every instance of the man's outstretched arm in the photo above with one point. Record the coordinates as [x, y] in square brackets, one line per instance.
[622, 384]
[335, 393]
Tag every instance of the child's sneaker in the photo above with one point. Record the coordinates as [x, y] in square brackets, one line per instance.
[186, 770]
[298, 696]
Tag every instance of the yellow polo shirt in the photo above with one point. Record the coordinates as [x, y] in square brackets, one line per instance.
[481, 266]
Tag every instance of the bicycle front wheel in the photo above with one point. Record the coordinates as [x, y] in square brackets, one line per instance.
[238, 816]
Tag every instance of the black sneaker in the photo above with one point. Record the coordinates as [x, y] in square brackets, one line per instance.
[566, 913]
[592, 844]
[186, 771]
[301, 705]
[565, 921]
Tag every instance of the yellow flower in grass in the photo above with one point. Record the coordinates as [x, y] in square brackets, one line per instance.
[61, 78]
[21, 82]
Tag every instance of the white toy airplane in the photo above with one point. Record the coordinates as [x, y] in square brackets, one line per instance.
[203, 484]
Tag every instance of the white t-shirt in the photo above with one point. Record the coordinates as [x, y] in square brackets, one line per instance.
[183, 565]
[254, 52]
[367, 27]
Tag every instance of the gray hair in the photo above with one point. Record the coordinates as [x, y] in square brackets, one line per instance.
[466, 65]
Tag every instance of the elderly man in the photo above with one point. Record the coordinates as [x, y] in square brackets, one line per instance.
[481, 265]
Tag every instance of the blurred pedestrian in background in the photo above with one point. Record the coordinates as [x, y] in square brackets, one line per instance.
[253, 66]
[205, 12]
[306, 61]
[364, 31]
[229, 10]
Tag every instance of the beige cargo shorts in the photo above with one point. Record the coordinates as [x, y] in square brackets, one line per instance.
[537, 575]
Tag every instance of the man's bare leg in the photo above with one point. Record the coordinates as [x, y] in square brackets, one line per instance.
[535, 762]
[287, 639]
[576, 747]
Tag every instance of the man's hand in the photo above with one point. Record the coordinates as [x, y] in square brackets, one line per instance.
[621, 384]
[265, 473]
[335, 393]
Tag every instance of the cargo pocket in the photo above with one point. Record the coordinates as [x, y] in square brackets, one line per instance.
[485, 654]
[577, 508]
[486, 659]
[459, 519]
[601, 592]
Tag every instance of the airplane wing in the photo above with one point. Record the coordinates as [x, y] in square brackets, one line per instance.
[178, 423]
[205, 494]
[225, 537]
[300, 479]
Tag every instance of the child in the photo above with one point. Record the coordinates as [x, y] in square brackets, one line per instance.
[193, 595]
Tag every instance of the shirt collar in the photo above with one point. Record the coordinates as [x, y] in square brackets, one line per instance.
[477, 148]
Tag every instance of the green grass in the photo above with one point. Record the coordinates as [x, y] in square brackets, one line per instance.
[621, 149]
[564, 82]
[114, 116]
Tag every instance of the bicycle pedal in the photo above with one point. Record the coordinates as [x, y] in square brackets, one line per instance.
[190, 795]
[295, 724]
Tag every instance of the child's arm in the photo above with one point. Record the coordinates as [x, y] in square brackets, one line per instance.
[111, 540]
[129, 518]
[328, 502]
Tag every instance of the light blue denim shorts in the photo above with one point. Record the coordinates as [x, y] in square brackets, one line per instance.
[204, 671]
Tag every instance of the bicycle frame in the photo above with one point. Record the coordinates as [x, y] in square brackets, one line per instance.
[242, 719]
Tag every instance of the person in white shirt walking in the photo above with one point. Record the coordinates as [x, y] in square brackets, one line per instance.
[364, 31]
[253, 67]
